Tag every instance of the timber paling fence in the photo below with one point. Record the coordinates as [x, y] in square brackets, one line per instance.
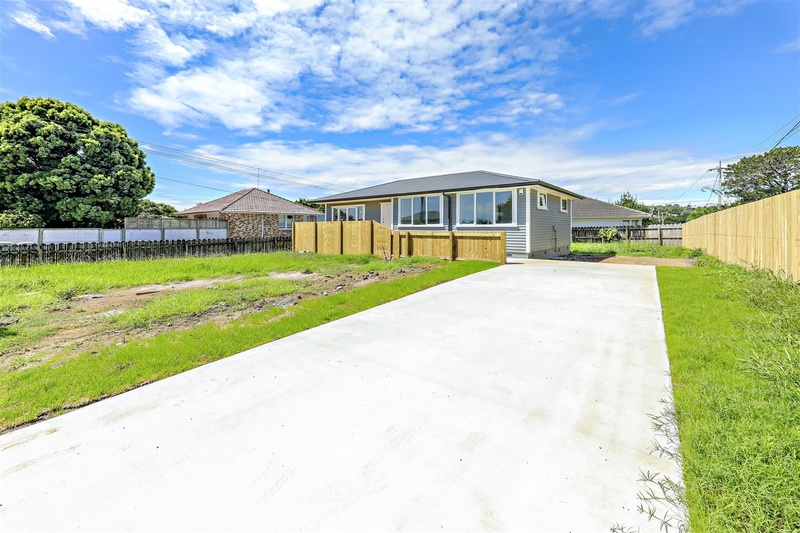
[665, 235]
[762, 234]
[34, 254]
[370, 238]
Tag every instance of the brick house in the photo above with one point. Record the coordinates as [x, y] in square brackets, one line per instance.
[253, 213]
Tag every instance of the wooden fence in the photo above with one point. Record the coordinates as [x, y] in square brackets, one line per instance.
[31, 254]
[666, 235]
[369, 237]
[763, 234]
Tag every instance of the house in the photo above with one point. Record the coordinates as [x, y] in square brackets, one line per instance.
[534, 214]
[589, 212]
[253, 213]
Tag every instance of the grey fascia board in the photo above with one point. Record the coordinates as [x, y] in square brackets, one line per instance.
[427, 191]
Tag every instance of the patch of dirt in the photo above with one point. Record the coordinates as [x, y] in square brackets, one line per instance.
[82, 326]
[631, 260]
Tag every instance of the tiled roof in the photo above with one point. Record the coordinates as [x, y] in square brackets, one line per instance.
[460, 181]
[591, 208]
[251, 201]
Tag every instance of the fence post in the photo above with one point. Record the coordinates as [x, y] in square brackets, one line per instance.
[452, 245]
[294, 240]
[316, 241]
[660, 238]
[341, 238]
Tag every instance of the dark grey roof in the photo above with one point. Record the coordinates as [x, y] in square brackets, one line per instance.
[476, 179]
[591, 208]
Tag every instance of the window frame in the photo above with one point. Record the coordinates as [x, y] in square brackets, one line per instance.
[539, 196]
[494, 192]
[565, 205]
[337, 208]
[411, 198]
[285, 218]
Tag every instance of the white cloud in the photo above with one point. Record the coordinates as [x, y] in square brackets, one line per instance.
[661, 175]
[791, 46]
[156, 45]
[29, 20]
[110, 15]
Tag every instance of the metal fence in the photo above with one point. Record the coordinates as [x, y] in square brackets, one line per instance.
[34, 254]
[175, 223]
[666, 234]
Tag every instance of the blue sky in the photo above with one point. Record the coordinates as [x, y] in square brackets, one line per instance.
[596, 96]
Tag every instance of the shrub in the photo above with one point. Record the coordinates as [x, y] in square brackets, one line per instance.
[608, 234]
[20, 219]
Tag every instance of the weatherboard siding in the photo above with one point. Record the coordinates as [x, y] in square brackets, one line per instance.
[543, 221]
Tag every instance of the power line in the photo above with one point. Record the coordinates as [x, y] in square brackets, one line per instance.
[215, 162]
[789, 133]
[196, 185]
[769, 137]
[691, 186]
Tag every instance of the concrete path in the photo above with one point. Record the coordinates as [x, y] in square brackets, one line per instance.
[514, 399]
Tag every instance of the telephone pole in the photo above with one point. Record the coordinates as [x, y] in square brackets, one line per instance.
[714, 189]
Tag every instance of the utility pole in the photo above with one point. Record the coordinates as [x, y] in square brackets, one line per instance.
[714, 189]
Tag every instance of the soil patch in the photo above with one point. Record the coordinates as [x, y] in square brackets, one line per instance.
[83, 325]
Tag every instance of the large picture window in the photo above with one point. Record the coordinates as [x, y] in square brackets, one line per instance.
[493, 207]
[347, 213]
[421, 211]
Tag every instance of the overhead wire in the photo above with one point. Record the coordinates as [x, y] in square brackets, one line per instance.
[690, 187]
[217, 163]
[789, 133]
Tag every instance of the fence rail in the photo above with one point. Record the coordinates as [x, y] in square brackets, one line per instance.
[33, 254]
[369, 237]
[175, 223]
[764, 234]
[666, 235]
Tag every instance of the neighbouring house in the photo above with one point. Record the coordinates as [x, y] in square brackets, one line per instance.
[589, 212]
[534, 214]
[253, 213]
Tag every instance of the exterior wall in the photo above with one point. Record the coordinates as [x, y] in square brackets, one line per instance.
[544, 242]
[602, 222]
[253, 226]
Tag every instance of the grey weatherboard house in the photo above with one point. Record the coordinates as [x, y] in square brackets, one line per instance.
[535, 215]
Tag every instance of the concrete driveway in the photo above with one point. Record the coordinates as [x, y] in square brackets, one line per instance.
[513, 399]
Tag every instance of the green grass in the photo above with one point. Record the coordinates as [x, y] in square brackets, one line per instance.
[31, 297]
[50, 388]
[734, 346]
[633, 248]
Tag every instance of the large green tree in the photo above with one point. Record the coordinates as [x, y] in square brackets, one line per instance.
[151, 209]
[761, 176]
[59, 162]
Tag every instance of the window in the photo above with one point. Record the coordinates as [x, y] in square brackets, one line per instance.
[421, 211]
[285, 221]
[542, 201]
[564, 205]
[347, 213]
[486, 208]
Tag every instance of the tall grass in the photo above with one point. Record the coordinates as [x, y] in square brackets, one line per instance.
[732, 337]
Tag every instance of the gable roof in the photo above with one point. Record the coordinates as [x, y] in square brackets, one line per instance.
[591, 208]
[461, 181]
[252, 201]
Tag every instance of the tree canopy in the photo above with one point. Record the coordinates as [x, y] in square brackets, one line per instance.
[303, 201]
[60, 163]
[628, 200]
[151, 209]
[761, 176]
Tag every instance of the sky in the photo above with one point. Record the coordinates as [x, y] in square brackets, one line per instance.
[308, 98]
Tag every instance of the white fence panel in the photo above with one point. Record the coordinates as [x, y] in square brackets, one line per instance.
[19, 235]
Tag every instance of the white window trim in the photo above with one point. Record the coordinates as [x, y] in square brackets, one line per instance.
[284, 215]
[513, 222]
[561, 204]
[426, 225]
[347, 206]
[539, 194]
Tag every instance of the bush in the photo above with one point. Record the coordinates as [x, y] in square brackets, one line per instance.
[20, 219]
[608, 234]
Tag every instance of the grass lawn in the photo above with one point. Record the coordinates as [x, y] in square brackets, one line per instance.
[733, 338]
[632, 248]
[33, 392]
